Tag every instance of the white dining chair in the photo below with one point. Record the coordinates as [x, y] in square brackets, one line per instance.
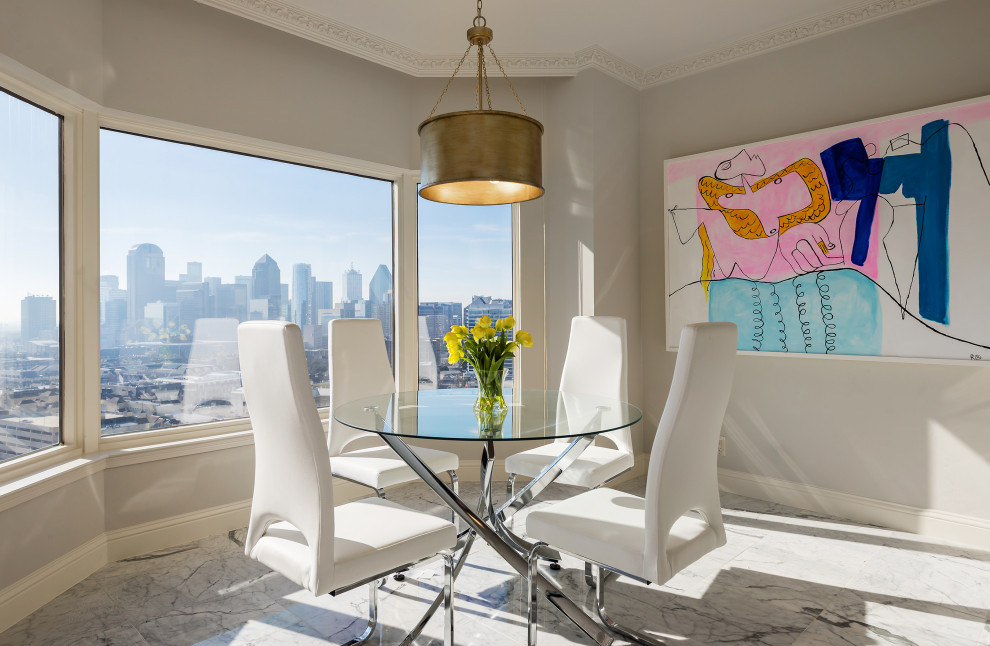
[650, 539]
[359, 368]
[596, 364]
[294, 527]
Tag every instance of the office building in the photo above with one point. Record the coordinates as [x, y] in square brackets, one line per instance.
[302, 295]
[145, 278]
[39, 318]
[352, 285]
[266, 286]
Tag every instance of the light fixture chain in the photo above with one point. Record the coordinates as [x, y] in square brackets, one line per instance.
[506, 77]
[488, 92]
[481, 72]
[456, 70]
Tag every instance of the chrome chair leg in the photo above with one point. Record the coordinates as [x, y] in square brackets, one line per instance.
[589, 577]
[448, 599]
[510, 491]
[372, 616]
[453, 486]
[540, 550]
[631, 635]
[398, 576]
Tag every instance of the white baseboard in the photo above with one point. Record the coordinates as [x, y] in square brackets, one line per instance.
[23, 597]
[168, 532]
[33, 591]
[968, 530]
[20, 599]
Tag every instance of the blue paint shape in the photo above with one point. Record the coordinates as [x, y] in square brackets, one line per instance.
[926, 177]
[826, 312]
[852, 175]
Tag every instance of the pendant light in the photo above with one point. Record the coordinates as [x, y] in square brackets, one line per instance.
[480, 156]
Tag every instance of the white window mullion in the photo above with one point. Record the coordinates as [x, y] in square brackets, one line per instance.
[82, 289]
[406, 285]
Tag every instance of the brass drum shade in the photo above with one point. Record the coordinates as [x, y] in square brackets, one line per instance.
[481, 157]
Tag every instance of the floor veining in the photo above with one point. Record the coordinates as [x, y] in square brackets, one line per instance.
[785, 577]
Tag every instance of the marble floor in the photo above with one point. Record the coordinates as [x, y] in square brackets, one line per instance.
[786, 576]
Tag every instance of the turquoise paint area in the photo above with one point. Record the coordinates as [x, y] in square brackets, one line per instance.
[827, 312]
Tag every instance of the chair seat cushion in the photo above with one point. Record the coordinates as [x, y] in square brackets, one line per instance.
[371, 537]
[595, 466]
[609, 527]
[381, 467]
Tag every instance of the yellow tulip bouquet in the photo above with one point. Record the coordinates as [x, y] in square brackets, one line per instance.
[486, 348]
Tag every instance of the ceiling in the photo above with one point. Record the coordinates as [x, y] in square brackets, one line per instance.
[642, 42]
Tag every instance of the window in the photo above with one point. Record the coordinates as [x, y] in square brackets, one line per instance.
[30, 297]
[465, 272]
[194, 241]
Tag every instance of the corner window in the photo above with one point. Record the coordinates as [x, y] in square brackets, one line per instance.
[465, 272]
[30, 259]
[194, 240]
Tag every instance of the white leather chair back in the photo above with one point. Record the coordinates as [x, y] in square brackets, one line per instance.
[597, 363]
[292, 480]
[358, 368]
[682, 474]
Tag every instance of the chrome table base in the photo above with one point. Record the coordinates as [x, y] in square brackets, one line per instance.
[511, 547]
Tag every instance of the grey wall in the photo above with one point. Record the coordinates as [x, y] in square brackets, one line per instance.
[61, 40]
[186, 62]
[906, 433]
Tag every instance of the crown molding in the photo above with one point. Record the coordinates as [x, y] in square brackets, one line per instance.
[781, 37]
[332, 33]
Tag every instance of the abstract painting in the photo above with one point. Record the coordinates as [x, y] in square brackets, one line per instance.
[871, 239]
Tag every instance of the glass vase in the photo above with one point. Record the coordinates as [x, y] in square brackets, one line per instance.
[490, 398]
[490, 422]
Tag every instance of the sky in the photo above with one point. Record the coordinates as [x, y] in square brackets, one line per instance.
[29, 205]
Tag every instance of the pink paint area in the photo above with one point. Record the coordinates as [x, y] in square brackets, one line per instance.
[781, 257]
[788, 195]
[780, 154]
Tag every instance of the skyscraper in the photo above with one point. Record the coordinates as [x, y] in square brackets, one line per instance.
[302, 298]
[494, 308]
[110, 291]
[266, 283]
[38, 320]
[194, 273]
[193, 303]
[232, 301]
[380, 284]
[112, 330]
[322, 298]
[145, 279]
[352, 285]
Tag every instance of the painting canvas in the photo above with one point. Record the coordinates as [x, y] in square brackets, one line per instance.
[871, 239]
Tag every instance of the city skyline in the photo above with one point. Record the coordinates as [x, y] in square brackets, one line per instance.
[296, 214]
[221, 209]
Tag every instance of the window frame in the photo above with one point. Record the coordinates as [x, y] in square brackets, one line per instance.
[70, 114]
[82, 119]
[225, 142]
[515, 292]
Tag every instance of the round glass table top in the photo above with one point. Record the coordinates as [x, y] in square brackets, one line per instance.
[449, 415]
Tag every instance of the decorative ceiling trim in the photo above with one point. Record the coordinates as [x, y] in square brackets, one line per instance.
[777, 38]
[332, 33]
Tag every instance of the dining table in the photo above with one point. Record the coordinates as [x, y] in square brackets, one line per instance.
[570, 420]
